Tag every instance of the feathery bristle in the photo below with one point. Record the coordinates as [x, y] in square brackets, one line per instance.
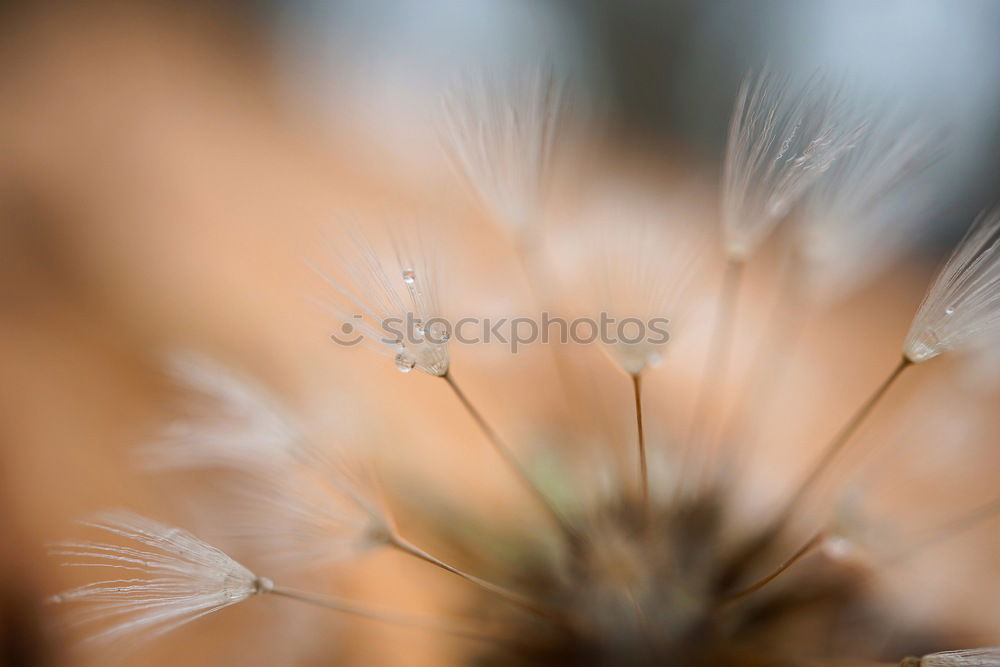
[171, 579]
[499, 131]
[963, 303]
[867, 211]
[396, 305]
[781, 140]
[228, 421]
[295, 519]
[294, 502]
[637, 270]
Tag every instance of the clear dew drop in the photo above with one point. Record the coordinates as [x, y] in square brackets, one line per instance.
[950, 310]
[405, 362]
[409, 276]
[437, 333]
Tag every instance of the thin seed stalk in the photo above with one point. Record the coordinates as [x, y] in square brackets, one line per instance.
[394, 618]
[411, 549]
[508, 457]
[643, 466]
[800, 553]
[830, 452]
[840, 440]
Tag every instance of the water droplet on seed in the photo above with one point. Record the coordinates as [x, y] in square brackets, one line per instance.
[409, 275]
[405, 362]
[950, 310]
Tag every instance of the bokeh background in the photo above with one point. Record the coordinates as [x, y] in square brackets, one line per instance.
[167, 167]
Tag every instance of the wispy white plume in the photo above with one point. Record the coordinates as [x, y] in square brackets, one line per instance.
[963, 303]
[630, 263]
[303, 517]
[297, 503]
[228, 421]
[170, 578]
[869, 209]
[392, 306]
[781, 140]
[499, 131]
[975, 657]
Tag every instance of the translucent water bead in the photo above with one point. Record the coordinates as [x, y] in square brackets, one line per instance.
[405, 362]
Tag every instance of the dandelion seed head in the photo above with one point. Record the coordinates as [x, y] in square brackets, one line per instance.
[392, 306]
[168, 578]
[228, 421]
[302, 517]
[962, 305]
[781, 140]
[628, 258]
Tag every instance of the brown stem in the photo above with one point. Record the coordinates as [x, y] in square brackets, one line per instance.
[813, 542]
[509, 458]
[834, 447]
[839, 441]
[387, 617]
[643, 469]
[411, 549]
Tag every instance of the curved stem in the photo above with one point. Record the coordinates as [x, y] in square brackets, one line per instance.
[509, 458]
[411, 549]
[839, 441]
[813, 542]
[394, 618]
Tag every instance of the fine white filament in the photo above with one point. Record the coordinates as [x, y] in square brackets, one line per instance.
[870, 208]
[781, 140]
[168, 578]
[963, 303]
[634, 267]
[228, 422]
[392, 307]
[499, 131]
[296, 504]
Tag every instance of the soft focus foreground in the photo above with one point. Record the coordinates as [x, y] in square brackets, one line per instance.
[158, 196]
